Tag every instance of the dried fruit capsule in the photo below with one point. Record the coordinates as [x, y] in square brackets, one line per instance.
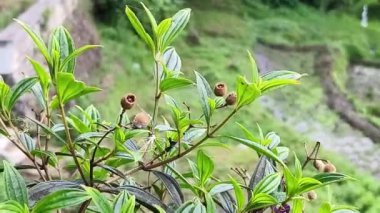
[329, 168]
[141, 120]
[231, 99]
[220, 89]
[319, 165]
[312, 195]
[128, 101]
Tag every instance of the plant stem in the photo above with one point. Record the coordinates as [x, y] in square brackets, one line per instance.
[70, 143]
[157, 93]
[149, 165]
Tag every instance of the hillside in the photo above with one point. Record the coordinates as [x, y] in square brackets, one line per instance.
[216, 43]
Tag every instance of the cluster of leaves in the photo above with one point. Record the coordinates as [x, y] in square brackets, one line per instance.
[105, 156]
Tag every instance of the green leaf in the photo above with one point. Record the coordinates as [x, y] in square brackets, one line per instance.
[68, 89]
[268, 184]
[255, 71]
[210, 204]
[260, 201]
[172, 187]
[62, 42]
[50, 155]
[139, 28]
[37, 40]
[258, 148]
[179, 22]
[205, 93]
[5, 93]
[328, 178]
[205, 167]
[172, 61]
[246, 92]
[297, 206]
[70, 58]
[298, 167]
[12, 206]
[263, 168]
[174, 83]
[48, 130]
[99, 200]
[28, 142]
[19, 89]
[124, 203]
[291, 182]
[282, 74]
[42, 74]
[306, 184]
[60, 199]
[276, 83]
[152, 20]
[162, 29]
[181, 177]
[325, 208]
[239, 195]
[15, 187]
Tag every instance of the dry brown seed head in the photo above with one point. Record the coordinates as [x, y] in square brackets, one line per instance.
[128, 101]
[220, 89]
[231, 98]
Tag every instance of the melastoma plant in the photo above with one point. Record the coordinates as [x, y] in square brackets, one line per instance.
[86, 164]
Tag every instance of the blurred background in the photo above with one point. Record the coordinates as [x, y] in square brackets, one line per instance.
[335, 42]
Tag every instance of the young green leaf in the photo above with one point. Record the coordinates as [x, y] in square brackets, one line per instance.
[255, 71]
[139, 28]
[60, 199]
[210, 204]
[239, 195]
[291, 182]
[68, 89]
[282, 74]
[15, 187]
[260, 149]
[263, 168]
[172, 60]
[77, 52]
[179, 22]
[124, 203]
[48, 130]
[19, 89]
[297, 206]
[174, 83]
[246, 92]
[328, 178]
[62, 41]
[205, 167]
[99, 200]
[306, 184]
[276, 83]
[152, 20]
[37, 40]
[12, 206]
[162, 29]
[42, 74]
[260, 201]
[268, 184]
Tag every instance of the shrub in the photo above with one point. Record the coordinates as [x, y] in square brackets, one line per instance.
[107, 155]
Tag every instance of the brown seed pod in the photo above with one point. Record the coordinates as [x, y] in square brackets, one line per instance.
[329, 168]
[128, 101]
[220, 89]
[319, 165]
[141, 120]
[312, 195]
[231, 98]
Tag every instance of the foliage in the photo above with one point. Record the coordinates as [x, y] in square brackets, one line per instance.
[101, 151]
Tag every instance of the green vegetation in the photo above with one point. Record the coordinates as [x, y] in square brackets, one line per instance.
[231, 33]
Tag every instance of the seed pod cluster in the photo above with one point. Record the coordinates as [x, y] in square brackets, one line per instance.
[221, 90]
[327, 167]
